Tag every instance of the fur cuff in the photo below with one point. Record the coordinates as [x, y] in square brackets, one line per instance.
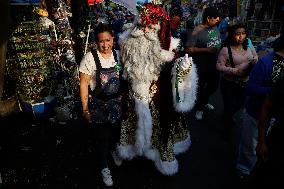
[174, 43]
[184, 89]
[167, 56]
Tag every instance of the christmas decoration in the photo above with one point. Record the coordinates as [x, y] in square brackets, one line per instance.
[30, 61]
[151, 14]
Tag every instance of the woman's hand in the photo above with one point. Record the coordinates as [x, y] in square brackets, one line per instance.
[238, 72]
[254, 61]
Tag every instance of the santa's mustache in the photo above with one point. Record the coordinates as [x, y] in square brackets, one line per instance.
[152, 36]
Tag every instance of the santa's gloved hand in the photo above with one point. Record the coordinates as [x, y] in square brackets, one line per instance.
[186, 62]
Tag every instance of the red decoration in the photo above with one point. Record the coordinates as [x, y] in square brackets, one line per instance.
[151, 14]
[99, 1]
[92, 2]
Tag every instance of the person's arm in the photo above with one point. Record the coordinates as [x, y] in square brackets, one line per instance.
[86, 72]
[261, 147]
[84, 83]
[191, 43]
[193, 50]
[222, 64]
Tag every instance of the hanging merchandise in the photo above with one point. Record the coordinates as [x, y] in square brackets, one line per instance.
[30, 59]
[67, 89]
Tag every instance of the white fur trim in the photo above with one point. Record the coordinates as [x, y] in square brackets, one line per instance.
[167, 56]
[127, 152]
[165, 167]
[144, 126]
[127, 26]
[123, 36]
[181, 147]
[174, 43]
[187, 90]
[137, 32]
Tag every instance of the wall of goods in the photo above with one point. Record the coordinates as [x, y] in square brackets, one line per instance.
[265, 20]
[41, 64]
[259, 30]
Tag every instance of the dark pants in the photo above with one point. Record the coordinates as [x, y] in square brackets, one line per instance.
[233, 99]
[207, 84]
[105, 136]
[269, 174]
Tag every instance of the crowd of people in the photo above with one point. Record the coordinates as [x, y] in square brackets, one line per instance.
[140, 82]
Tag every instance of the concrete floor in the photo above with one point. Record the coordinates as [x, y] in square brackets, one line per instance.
[47, 156]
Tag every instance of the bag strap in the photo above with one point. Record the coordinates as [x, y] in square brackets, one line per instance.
[115, 56]
[116, 60]
[98, 87]
[123, 86]
[230, 56]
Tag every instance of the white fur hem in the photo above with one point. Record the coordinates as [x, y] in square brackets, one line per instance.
[187, 90]
[127, 152]
[165, 167]
[182, 146]
[144, 126]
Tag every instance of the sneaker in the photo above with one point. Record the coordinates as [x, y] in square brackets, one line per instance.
[116, 159]
[199, 115]
[107, 178]
[209, 107]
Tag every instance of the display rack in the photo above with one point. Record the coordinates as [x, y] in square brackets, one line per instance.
[28, 63]
[259, 30]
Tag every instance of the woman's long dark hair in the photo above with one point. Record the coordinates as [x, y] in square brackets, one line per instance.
[230, 41]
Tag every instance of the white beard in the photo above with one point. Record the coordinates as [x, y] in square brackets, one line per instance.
[152, 36]
[142, 62]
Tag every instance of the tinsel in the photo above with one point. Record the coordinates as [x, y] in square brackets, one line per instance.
[29, 61]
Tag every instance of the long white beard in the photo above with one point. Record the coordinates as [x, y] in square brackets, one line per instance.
[152, 36]
[141, 55]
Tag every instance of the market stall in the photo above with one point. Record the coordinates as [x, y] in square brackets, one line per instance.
[40, 65]
[264, 19]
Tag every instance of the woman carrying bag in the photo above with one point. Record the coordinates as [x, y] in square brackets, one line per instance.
[235, 61]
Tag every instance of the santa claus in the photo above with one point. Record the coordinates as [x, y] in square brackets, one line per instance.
[161, 90]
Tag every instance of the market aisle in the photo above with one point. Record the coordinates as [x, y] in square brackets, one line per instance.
[56, 156]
